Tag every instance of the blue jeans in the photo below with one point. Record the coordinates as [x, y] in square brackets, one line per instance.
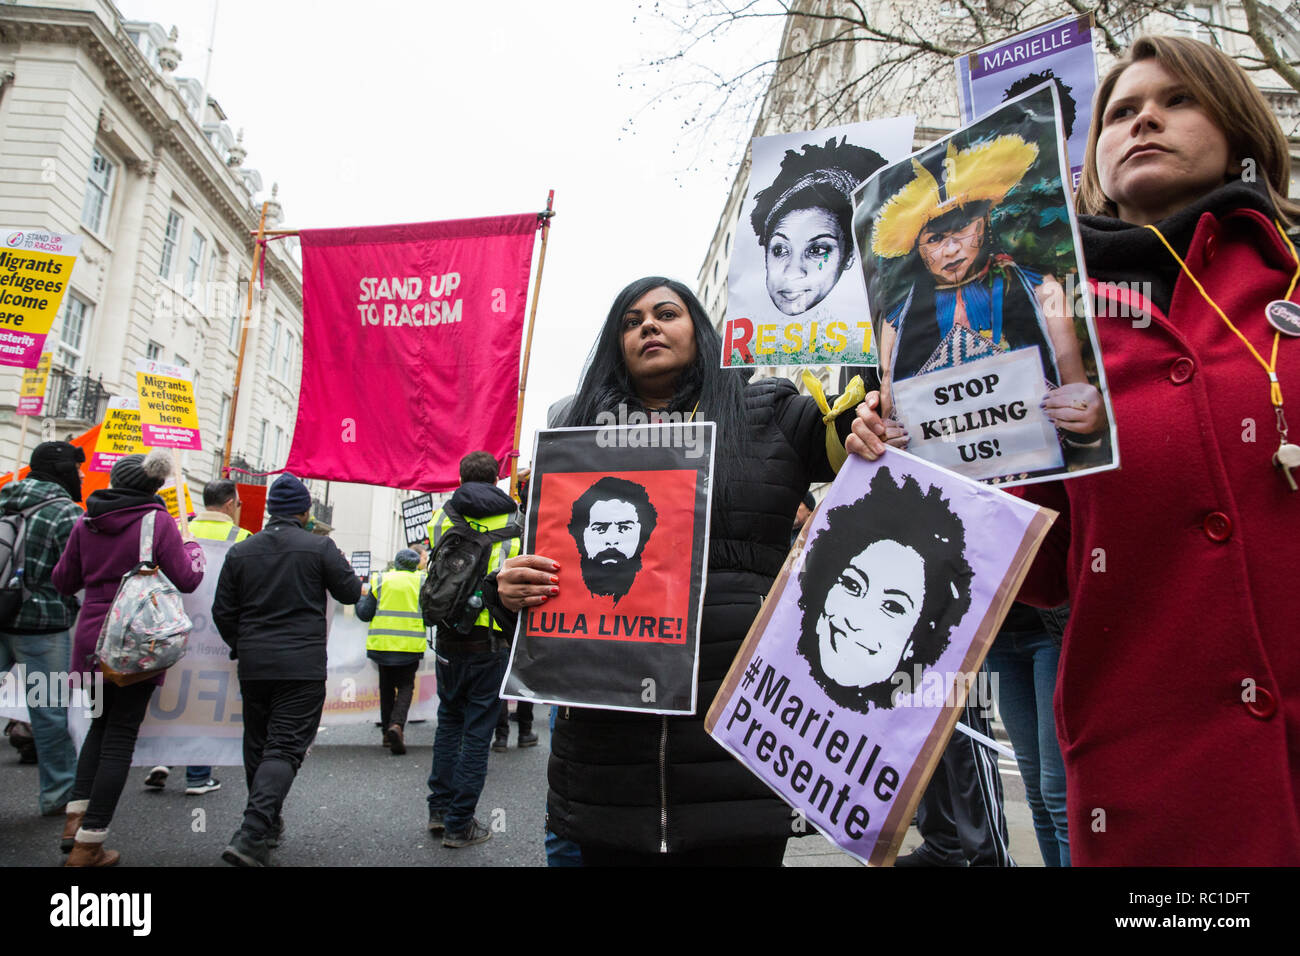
[560, 851]
[1025, 662]
[46, 654]
[468, 685]
[197, 776]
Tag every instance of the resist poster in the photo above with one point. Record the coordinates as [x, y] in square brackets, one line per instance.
[411, 343]
[970, 250]
[855, 672]
[625, 513]
[1059, 52]
[794, 295]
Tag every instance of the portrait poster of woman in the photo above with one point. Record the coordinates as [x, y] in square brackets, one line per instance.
[969, 250]
[852, 677]
[794, 296]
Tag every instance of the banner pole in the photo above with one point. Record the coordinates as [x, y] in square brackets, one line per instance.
[183, 519]
[243, 342]
[22, 445]
[528, 343]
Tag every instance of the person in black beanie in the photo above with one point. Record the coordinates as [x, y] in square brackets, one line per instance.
[270, 609]
[39, 636]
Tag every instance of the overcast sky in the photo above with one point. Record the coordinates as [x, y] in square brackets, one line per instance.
[384, 111]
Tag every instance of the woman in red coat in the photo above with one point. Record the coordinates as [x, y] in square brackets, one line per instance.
[1179, 684]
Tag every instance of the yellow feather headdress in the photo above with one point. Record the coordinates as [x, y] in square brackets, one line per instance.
[983, 172]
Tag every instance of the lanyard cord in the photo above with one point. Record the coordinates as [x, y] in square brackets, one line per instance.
[1275, 387]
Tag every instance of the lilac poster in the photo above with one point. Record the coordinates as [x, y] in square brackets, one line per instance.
[853, 675]
[1061, 52]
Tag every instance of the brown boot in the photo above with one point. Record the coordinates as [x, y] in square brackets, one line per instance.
[396, 742]
[88, 849]
[70, 827]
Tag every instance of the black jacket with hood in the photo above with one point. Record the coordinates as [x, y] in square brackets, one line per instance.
[654, 784]
[270, 601]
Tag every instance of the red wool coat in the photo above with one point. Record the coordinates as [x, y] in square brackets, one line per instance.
[1178, 696]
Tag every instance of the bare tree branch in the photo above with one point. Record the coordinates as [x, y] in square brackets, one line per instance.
[1271, 57]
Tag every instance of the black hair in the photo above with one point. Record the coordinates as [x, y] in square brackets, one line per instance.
[818, 176]
[916, 519]
[719, 392]
[1027, 82]
[218, 492]
[607, 489]
[809, 501]
[478, 466]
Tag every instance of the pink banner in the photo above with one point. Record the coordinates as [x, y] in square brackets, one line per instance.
[411, 340]
[31, 404]
[21, 348]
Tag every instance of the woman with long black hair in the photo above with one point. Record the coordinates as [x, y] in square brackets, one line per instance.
[646, 789]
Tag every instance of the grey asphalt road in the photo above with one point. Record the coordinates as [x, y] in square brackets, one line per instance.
[355, 804]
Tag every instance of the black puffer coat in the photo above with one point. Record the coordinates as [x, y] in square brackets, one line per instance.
[655, 784]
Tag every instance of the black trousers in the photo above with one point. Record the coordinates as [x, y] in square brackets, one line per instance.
[280, 721]
[960, 815]
[396, 687]
[106, 755]
[523, 710]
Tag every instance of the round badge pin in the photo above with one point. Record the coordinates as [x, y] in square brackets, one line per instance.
[1283, 316]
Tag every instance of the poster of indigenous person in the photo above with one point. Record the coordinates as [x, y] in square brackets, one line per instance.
[793, 297]
[988, 353]
[852, 677]
[1059, 52]
[627, 508]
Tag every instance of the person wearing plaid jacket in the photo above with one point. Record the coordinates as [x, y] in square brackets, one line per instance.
[39, 637]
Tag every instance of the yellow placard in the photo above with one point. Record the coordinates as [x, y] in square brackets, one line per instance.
[35, 266]
[168, 494]
[119, 435]
[31, 394]
[169, 416]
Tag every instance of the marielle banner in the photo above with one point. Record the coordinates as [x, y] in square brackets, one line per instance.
[624, 510]
[411, 342]
[857, 668]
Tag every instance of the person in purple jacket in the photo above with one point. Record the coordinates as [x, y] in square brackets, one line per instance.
[103, 546]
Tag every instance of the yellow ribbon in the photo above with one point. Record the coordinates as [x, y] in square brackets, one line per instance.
[855, 394]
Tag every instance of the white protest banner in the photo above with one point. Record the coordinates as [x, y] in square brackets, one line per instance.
[196, 717]
[981, 418]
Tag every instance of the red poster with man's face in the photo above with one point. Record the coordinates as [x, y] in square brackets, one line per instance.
[621, 540]
[625, 513]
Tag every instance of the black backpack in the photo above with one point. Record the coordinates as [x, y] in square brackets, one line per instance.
[13, 559]
[456, 570]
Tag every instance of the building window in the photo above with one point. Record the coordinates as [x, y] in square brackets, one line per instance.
[279, 441]
[275, 344]
[153, 351]
[72, 332]
[261, 442]
[197, 245]
[286, 359]
[171, 239]
[99, 189]
[224, 421]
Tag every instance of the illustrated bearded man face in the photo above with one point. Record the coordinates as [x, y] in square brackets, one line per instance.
[882, 587]
[611, 524]
[950, 250]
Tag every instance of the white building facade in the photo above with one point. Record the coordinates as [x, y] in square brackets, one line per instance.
[100, 138]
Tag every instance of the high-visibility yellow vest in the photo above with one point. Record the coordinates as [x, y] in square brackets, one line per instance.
[217, 530]
[501, 551]
[398, 624]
